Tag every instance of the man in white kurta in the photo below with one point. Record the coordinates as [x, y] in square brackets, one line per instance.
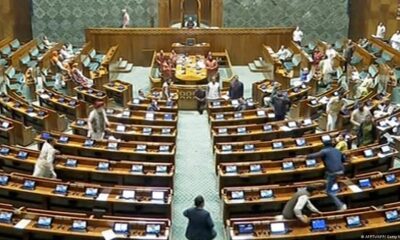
[213, 89]
[380, 31]
[333, 108]
[125, 18]
[298, 36]
[395, 41]
[97, 122]
[44, 164]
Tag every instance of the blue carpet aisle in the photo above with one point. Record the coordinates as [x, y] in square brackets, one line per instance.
[195, 172]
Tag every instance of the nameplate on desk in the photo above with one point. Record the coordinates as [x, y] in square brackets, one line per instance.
[241, 130]
[237, 115]
[219, 116]
[261, 113]
[354, 188]
[102, 197]
[226, 148]
[149, 116]
[5, 124]
[22, 223]
[136, 101]
[120, 128]
[222, 131]
[235, 102]
[271, 115]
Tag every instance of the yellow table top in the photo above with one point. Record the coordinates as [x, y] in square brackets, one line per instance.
[191, 70]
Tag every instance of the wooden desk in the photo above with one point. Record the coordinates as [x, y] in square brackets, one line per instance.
[149, 133]
[16, 132]
[164, 105]
[120, 91]
[91, 95]
[388, 49]
[189, 72]
[227, 105]
[125, 150]
[108, 198]
[142, 117]
[196, 49]
[261, 132]
[63, 221]
[100, 77]
[255, 116]
[109, 56]
[38, 117]
[265, 150]
[71, 107]
[87, 169]
[372, 219]
[254, 205]
[271, 172]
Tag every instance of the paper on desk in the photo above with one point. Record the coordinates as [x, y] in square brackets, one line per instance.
[109, 234]
[285, 128]
[355, 188]
[22, 224]
[33, 114]
[102, 197]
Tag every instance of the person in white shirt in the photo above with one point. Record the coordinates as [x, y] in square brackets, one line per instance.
[380, 31]
[44, 164]
[333, 108]
[3, 80]
[395, 40]
[190, 23]
[125, 18]
[298, 36]
[213, 92]
[97, 122]
[284, 53]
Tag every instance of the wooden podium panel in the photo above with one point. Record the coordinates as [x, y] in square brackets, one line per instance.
[243, 44]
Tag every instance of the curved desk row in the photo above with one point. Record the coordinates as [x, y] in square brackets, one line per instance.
[17, 159]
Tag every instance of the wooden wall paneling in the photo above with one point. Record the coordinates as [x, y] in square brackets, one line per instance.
[164, 13]
[217, 13]
[366, 14]
[15, 20]
[243, 45]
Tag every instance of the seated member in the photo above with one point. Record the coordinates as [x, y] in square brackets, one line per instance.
[294, 207]
[97, 122]
[190, 23]
[284, 53]
[201, 226]
[200, 96]
[141, 95]
[153, 106]
[44, 166]
[78, 77]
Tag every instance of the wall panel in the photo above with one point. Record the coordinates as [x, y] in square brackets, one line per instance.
[244, 45]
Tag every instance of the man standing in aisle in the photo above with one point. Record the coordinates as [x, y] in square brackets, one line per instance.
[333, 108]
[236, 89]
[201, 226]
[97, 122]
[298, 36]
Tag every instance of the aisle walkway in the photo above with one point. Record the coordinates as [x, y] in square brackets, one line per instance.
[194, 172]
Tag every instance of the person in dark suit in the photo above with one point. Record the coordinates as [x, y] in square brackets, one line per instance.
[236, 88]
[201, 226]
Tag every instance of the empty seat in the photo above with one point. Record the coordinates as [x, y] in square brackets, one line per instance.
[386, 57]
[6, 51]
[296, 60]
[27, 61]
[92, 66]
[95, 57]
[15, 44]
[355, 60]
[13, 76]
[34, 53]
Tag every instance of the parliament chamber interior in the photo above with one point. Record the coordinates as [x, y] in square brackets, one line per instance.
[199, 119]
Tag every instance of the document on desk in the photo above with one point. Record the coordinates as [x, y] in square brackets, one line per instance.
[354, 188]
[285, 128]
[102, 197]
[22, 223]
[109, 234]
